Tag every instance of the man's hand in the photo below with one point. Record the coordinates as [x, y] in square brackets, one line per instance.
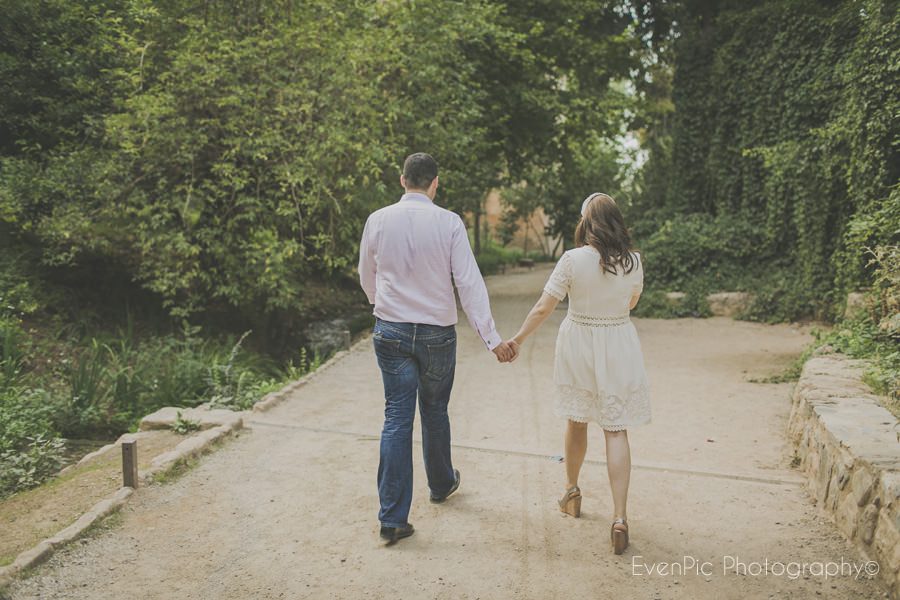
[507, 351]
[504, 352]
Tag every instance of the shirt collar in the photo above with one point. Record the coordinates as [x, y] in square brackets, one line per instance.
[415, 196]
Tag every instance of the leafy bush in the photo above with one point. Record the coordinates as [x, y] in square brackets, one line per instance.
[860, 337]
[721, 252]
[885, 292]
[30, 449]
[655, 305]
[494, 257]
[12, 350]
[229, 385]
[83, 410]
[176, 370]
[875, 334]
[109, 385]
[781, 298]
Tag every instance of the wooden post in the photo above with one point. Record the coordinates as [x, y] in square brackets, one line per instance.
[129, 464]
[345, 339]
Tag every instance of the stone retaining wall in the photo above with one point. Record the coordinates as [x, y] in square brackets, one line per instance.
[849, 449]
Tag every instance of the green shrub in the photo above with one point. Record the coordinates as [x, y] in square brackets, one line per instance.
[30, 449]
[235, 384]
[490, 263]
[778, 298]
[175, 370]
[874, 333]
[110, 385]
[655, 305]
[184, 426]
[12, 350]
[723, 253]
[493, 257]
[860, 337]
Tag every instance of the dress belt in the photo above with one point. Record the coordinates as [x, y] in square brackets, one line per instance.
[598, 321]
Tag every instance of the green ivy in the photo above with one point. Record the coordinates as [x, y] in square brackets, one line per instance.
[784, 122]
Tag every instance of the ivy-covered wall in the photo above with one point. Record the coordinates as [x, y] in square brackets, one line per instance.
[784, 134]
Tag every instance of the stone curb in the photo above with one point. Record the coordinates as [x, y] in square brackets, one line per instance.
[204, 416]
[190, 447]
[44, 549]
[274, 398]
[125, 437]
[849, 451]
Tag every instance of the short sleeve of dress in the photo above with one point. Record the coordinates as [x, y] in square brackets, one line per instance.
[561, 278]
[638, 274]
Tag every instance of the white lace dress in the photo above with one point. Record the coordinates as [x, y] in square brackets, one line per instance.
[599, 367]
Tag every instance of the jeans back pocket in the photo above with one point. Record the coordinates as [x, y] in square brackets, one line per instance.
[441, 358]
[389, 355]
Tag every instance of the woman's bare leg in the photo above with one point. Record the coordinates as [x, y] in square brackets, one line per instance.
[576, 448]
[618, 465]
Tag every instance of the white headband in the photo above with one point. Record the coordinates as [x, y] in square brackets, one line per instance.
[587, 201]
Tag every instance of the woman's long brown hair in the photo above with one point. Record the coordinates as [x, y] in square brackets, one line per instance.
[603, 227]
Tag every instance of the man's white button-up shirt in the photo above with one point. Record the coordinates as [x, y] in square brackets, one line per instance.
[411, 254]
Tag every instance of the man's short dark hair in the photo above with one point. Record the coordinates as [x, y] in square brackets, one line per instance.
[419, 169]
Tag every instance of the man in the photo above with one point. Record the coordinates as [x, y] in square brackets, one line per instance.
[411, 254]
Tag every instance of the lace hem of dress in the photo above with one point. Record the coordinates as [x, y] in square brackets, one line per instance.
[607, 427]
[610, 411]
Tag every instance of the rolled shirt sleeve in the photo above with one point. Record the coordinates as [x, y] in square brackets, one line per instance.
[561, 278]
[366, 266]
[470, 284]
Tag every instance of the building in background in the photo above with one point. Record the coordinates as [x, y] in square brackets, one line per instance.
[528, 235]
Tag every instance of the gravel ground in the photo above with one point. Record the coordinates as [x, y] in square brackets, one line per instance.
[288, 508]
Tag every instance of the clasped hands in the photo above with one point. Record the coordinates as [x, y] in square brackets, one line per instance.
[507, 351]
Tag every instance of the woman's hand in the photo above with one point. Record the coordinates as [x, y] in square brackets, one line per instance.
[634, 300]
[506, 352]
[514, 346]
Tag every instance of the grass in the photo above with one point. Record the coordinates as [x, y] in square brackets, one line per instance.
[792, 372]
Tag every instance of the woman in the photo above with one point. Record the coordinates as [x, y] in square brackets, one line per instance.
[599, 368]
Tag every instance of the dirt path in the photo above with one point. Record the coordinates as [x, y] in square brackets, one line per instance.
[288, 509]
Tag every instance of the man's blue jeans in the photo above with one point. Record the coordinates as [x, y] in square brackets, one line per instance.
[415, 359]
